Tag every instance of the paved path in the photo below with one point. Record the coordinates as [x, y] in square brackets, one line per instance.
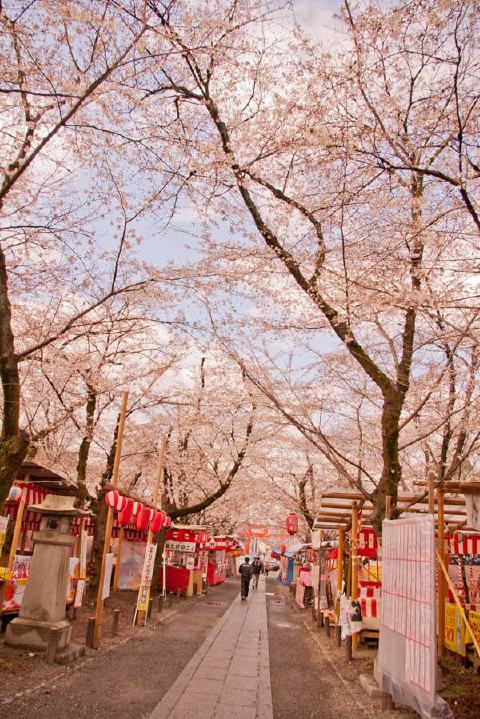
[229, 676]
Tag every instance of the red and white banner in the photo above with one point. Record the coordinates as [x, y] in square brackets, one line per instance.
[464, 544]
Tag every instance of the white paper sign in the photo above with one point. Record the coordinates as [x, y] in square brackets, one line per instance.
[108, 575]
[79, 593]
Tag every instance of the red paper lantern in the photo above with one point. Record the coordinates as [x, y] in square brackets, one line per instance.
[111, 498]
[158, 521]
[136, 508]
[142, 519]
[292, 523]
[121, 503]
[168, 522]
[126, 514]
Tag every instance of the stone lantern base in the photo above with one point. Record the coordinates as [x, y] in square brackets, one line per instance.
[33, 634]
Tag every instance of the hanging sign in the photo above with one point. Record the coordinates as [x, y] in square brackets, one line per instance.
[108, 575]
[474, 619]
[147, 574]
[82, 571]
[456, 634]
[180, 546]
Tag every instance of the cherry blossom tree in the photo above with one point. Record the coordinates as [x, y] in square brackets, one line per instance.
[348, 203]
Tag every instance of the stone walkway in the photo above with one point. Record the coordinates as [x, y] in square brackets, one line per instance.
[229, 676]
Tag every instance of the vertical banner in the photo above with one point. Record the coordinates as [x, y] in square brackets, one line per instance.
[407, 653]
[82, 571]
[3, 531]
[107, 578]
[147, 574]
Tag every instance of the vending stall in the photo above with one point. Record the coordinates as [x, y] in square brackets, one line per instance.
[185, 551]
[217, 559]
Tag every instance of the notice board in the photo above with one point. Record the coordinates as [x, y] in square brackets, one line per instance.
[408, 641]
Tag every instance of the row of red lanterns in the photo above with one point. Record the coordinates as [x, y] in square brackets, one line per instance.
[128, 509]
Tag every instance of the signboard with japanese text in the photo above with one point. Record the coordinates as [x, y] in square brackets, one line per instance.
[147, 574]
[474, 619]
[456, 635]
[177, 546]
[407, 653]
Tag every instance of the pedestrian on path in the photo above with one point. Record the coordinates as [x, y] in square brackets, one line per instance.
[257, 569]
[245, 571]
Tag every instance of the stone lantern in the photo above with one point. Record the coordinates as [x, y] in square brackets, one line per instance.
[44, 601]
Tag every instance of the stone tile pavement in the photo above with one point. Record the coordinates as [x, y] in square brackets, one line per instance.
[229, 676]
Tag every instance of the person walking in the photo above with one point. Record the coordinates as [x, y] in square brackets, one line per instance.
[257, 569]
[245, 571]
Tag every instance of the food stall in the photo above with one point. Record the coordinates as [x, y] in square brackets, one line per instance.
[185, 553]
[217, 559]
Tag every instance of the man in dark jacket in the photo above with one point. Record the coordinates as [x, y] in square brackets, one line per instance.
[245, 571]
[257, 569]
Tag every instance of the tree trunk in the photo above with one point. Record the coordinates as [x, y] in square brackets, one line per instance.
[100, 516]
[160, 537]
[13, 442]
[392, 470]
[85, 445]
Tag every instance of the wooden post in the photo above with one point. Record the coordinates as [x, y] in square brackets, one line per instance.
[115, 621]
[354, 552]
[327, 626]
[431, 492]
[78, 547]
[338, 635]
[90, 632]
[319, 613]
[441, 579]
[387, 702]
[348, 647]
[140, 616]
[340, 548]
[97, 635]
[18, 527]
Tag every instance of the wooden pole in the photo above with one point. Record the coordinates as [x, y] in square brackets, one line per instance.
[97, 634]
[158, 476]
[354, 551]
[431, 492]
[341, 544]
[441, 580]
[78, 548]
[458, 602]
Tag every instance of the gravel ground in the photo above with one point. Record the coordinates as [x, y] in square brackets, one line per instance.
[122, 681]
[310, 678]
